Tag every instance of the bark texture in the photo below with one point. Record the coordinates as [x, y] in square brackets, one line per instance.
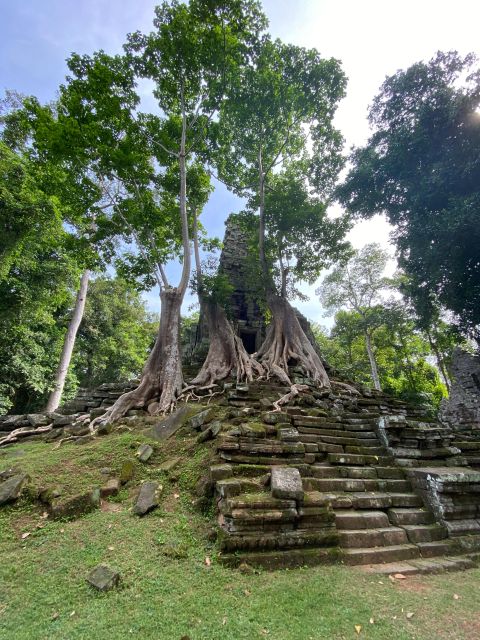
[373, 362]
[286, 342]
[226, 353]
[69, 343]
[162, 378]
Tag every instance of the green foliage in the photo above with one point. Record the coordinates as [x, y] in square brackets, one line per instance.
[422, 168]
[115, 336]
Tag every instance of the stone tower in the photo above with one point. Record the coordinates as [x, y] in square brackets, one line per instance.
[245, 312]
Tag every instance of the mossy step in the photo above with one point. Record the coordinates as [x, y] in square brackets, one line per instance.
[355, 459]
[355, 520]
[424, 532]
[259, 501]
[376, 555]
[423, 566]
[378, 537]
[438, 548]
[410, 516]
[356, 484]
[278, 540]
[282, 559]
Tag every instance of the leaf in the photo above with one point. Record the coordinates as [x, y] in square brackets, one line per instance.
[358, 628]
[73, 613]
[247, 592]
[410, 615]
[208, 562]
[456, 596]
[399, 576]
[111, 548]
[372, 621]
[55, 615]
[25, 535]
[176, 496]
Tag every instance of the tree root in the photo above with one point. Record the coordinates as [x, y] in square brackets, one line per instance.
[23, 432]
[295, 389]
[286, 342]
[226, 353]
[346, 387]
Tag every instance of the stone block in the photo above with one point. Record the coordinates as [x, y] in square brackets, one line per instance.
[148, 498]
[286, 482]
[103, 578]
[144, 453]
[11, 489]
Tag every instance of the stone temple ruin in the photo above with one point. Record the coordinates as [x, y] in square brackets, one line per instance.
[339, 475]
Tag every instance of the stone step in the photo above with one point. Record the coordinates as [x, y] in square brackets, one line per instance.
[401, 517]
[422, 566]
[438, 548]
[259, 501]
[282, 559]
[378, 500]
[424, 532]
[325, 537]
[356, 484]
[348, 520]
[362, 538]
[354, 442]
[361, 460]
[376, 555]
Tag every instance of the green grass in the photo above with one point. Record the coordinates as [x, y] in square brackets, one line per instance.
[168, 592]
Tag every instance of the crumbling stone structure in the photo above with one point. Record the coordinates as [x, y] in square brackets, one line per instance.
[461, 412]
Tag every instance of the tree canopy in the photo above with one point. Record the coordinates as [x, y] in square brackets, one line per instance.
[421, 167]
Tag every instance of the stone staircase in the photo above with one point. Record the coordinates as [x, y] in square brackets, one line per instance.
[316, 484]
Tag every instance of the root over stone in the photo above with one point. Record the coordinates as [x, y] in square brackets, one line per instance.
[226, 353]
[285, 343]
[162, 380]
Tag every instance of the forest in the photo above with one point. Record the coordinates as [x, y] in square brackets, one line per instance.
[99, 197]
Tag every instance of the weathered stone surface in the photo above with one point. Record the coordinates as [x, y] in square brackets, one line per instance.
[111, 488]
[286, 482]
[148, 498]
[127, 471]
[11, 489]
[144, 452]
[274, 417]
[170, 425]
[75, 506]
[103, 578]
[169, 465]
[38, 419]
[202, 418]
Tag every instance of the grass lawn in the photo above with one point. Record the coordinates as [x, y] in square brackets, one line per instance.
[168, 591]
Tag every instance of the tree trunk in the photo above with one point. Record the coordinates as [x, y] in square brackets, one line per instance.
[69, 343]
[373, 363]
[226, 353]
[286, 342]
[440, 362]
[162, 379]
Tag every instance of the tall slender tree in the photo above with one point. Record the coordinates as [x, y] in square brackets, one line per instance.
[359, 286]
[284, 98]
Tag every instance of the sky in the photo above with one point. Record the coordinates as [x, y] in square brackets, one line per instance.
[372, 38]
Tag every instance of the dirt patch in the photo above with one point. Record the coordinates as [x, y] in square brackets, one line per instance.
[414, 585]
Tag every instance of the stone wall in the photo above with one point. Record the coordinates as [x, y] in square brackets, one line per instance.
[462, 409]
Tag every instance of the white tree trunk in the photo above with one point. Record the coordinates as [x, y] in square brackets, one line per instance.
[373, 363]
[69, 343]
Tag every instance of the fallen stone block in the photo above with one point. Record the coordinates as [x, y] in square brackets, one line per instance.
[110, 488]
[75, 506]
[144, 452]
[286, 482]
[103, 578]
[11, 489]
[148, 498]
[127, 471]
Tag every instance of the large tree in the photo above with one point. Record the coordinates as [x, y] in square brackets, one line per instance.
[285, 98]
[421, 167]
[189, 58]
